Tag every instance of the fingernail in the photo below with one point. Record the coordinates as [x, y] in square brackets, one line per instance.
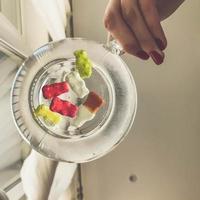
[157, 58]
[160, 44]
[143, 55]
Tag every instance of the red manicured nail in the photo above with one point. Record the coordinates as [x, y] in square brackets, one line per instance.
[160, 44]
[157, 58]
[143, 55]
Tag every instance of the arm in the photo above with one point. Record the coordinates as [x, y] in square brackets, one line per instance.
[168, 7]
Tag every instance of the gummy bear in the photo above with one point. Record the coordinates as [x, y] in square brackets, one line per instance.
[49, 116]
[83, 64]
[77, 84]
[63, 107]
[83, 116]
[93, 102]
[55, 89]
[88, 110]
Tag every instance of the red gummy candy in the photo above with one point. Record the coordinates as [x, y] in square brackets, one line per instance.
[55, 89]
[63, 107]
[93, 102]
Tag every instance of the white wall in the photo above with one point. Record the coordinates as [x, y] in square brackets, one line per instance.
[163, 147]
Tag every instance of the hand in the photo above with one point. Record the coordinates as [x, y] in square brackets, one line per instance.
[135, 24]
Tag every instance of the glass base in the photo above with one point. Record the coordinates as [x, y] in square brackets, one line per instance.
[53, 73]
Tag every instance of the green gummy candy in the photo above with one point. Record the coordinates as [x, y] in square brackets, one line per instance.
[83, 64]
[81, 53]
[80, 61]
[85, 70]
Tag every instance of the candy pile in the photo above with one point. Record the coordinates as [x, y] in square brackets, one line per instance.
[71, 81]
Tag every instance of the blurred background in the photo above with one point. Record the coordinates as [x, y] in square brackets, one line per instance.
[160, 157]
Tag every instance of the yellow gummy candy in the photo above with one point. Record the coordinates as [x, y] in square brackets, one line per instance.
[49, 116]
[41, 110]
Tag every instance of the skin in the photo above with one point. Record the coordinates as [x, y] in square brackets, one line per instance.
[136, 25]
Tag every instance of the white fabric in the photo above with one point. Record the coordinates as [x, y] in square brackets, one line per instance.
[63, 176]
[53, 14]
[44, 179]
[37, 176]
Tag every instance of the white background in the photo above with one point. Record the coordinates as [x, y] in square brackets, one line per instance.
[163, 147]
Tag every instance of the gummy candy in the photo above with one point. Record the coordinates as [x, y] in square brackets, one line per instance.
[93, 102]
[77, 84]
[55, 89]
[49, 116]
[63, 107]
[81, 53]
[83, 116]
[83, 64]
[88, 110]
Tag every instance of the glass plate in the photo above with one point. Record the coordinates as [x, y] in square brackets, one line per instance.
[111, 79]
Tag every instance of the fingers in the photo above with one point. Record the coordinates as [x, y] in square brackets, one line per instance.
[121, 32]
[152, 19]
[136, 25]
[136, 22]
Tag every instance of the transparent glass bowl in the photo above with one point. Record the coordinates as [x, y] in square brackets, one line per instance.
[111, 79]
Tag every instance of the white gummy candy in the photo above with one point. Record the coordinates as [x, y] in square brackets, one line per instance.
[83, 116]
[77, 84]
